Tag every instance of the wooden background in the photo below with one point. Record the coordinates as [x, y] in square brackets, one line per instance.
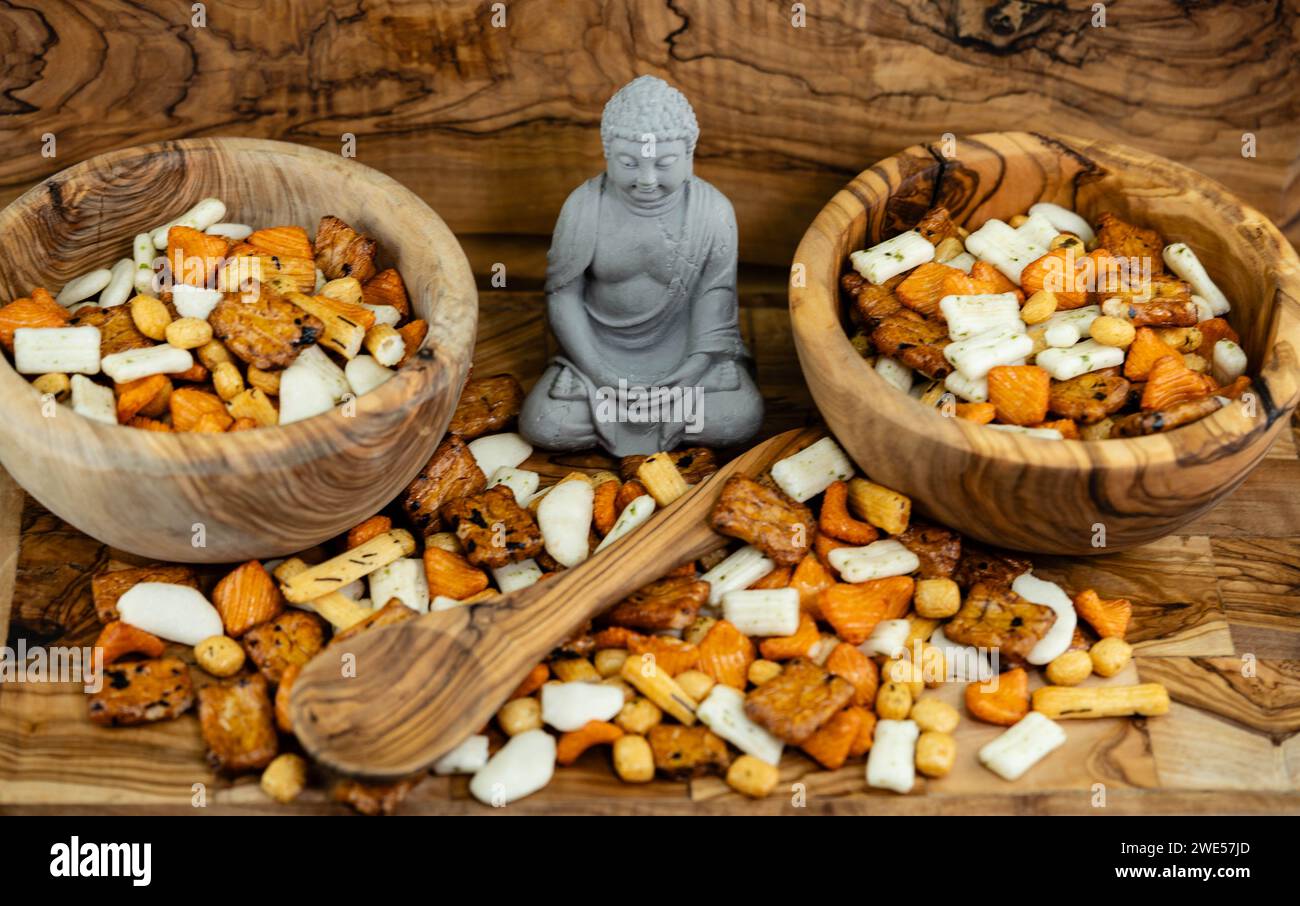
[494, 126]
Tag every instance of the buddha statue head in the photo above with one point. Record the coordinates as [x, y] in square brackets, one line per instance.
[649, 132]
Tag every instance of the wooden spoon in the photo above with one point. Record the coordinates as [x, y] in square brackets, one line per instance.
[391, 701]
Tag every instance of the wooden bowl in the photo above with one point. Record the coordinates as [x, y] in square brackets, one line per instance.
[201, 498]
[1071, 497]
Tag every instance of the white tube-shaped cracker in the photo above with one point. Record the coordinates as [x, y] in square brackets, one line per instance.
[1038, 230]
[84, 287]
[634, 515]
[812, 470]
[1062, 335]
[1204, 310]
[1081, 358]
[305, 392]
[877, 560]
[1057, 640]
[763, 611]
[235, 232]
[895, 373]
[963, 262]
[1183, 262]
[142, 255]
[970, 315]
[567, 706]
[564, 517]
[93, 400]
[384, 314]
[133, 364]
[120, 284]
[470, 757]
[385, 344]
[365, 374]
[200, 217]
[314, 358]
[517, 575]
[723, 712]
[1063, 220]
[972, 390]
[194, 301]
[892, 257]
[176, 613]
[1228, 361]
[1081, 318]
[56, 350]
[404, 580]
[740, 570]
[889, 639]
[497, 450]
[521, 482]
[892, 762]
[523, 766]
[1021, 747]
[975, 356]
[1005, 248]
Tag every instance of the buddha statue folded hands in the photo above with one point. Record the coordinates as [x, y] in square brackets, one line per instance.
[641, 295]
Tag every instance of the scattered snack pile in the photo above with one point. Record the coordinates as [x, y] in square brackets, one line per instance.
[1042, 326]
[823, 628]
[823, 632]
[239, 329]
[484, 527]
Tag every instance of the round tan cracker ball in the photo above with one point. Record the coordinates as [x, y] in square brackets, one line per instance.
[752, 777]
[932, 715]
[219, 655]
[1111, 331]
[520, 715]
[936, 753]
[634, 762]
[1070, 669]
[285, 777]
[1110, 656]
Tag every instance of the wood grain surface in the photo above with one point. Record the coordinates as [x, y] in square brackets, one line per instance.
[1228, 746]
[259, 493]
[1024, 492]
[493, 126]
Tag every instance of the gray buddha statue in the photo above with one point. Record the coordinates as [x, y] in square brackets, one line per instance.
[641, 295]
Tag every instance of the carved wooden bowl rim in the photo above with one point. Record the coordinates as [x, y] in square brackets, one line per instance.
[827, 353]
[449, 340]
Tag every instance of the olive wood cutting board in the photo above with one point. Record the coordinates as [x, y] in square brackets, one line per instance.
[1216, 619]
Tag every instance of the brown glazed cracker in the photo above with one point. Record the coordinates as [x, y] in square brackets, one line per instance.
[294, 637]
[916, 342]
[694, 463]
[141, 692]
[989, 565]
[268, 333]
[936, 225]
[343, 252]
[938, 548]
[117, 330]
[1140, 423]
[450, 473]
[1089, 398]
[666, 604]
[1124, 240]
[486, 405]
[374, 798]
[107, 588]
[766, 518]
[493, 529]
[794, 704]
[685, 752]
[237, 721]
[994, 616]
